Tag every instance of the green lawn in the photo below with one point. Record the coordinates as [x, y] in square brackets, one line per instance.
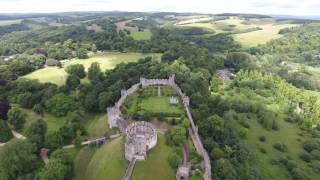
[108, 162]
[106, 60]
[53, 123]
[149, 101]
[9, 22]
[141, 35]
[156, 167]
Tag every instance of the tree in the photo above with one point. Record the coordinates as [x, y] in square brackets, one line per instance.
[53, 141]
[17, 158]
[4, 109]
[105, 99]
[16, 118]
[36, 133]
[82, 53]
[174, 160]
[5, 132]
[60, 104]
[25, 100]
[55, 170]
[94, 72]
[177, 136]
[73, 82]
[224, 170]
[38, 108]
[238, 60]
[76, 70]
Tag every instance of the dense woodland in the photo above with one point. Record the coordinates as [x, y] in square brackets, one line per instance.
[194, 59]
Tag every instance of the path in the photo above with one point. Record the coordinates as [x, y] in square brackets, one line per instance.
[129, 170]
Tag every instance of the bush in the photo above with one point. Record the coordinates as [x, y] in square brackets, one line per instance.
[310, 146]
[52, 62]
[298, 174]
[262, 138]
[263, 150]
[174, 160]
[280, 147]
[316, 165]
[76, 70]
[5, 132]
[315, 154]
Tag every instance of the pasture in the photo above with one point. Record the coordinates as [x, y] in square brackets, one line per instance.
[108, 60]
[156, 167]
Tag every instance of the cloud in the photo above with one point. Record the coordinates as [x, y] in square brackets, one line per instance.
[290, 7]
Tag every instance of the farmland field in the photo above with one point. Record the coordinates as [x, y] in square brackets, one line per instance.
[267, 33]
[106, 60]
[9, 22]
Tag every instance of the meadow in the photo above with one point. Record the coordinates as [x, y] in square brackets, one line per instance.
[106, 60]
[141, 35]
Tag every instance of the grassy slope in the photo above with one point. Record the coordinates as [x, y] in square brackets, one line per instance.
[81, 162]
[108, 162]
[288, 134]
[268, 33]
[97, 126]
[156, 167]
[106, 60]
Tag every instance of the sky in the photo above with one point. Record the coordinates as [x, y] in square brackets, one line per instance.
[276, 7]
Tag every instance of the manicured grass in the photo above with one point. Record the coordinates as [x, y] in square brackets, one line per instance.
[149, 101]
[53, 123]
[156, 167]
[81, 162]
[159, 105]
[141, 35]
[106, 60]
[97, 126]
[9, 22]
[53, 75]
[268, 33]
[290, 135]
[108, 162]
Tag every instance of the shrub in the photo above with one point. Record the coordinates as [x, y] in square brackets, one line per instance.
[280, 147]
[263, 150]
[316, 165]
[52, 62]
[291, 165]
[310, 146]
[262, 138]
[298, 174]
[5, 132]
[217, 153]
[315, 154]
[174, 160]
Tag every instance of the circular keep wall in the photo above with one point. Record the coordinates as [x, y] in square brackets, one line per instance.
[141, 137]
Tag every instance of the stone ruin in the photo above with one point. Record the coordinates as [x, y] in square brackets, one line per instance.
[141, 137]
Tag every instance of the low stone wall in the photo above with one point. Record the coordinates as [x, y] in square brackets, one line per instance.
[115, 116]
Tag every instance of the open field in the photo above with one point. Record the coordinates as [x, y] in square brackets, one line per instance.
[159, 105]
[156, 167]
[9, 22]
[267, 33]
[106, 60]
[141, 35]
[108, 162]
